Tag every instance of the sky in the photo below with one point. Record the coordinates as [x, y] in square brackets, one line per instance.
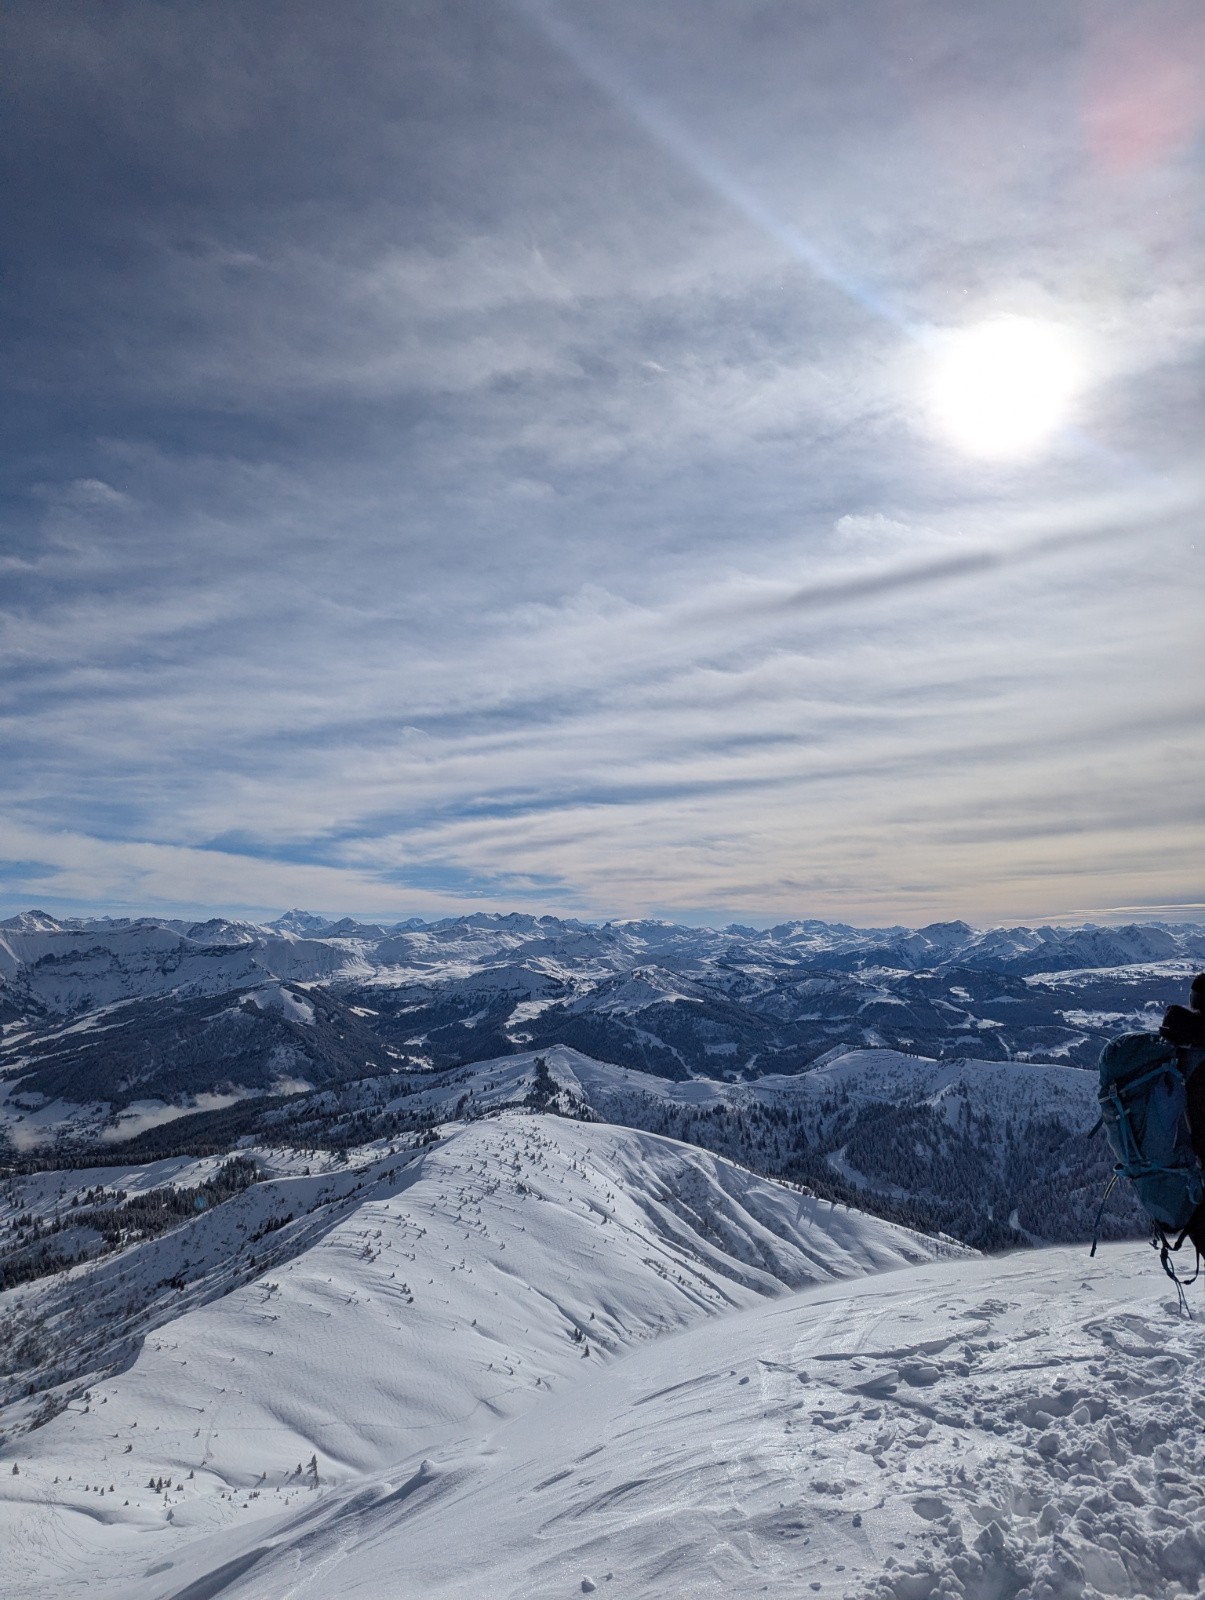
[493, 454]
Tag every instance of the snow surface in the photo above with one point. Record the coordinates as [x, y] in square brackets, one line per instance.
[1015, 1427]
[272, 997]
[417, 1302]
[543, 1358]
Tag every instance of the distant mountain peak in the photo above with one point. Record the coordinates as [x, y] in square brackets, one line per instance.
[33, 921]
[298, 921]
[946, 930]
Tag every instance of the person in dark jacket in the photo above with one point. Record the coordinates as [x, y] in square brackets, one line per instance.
[1184, 1026]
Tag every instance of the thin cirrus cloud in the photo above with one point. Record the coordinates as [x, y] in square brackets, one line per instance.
[481, 454]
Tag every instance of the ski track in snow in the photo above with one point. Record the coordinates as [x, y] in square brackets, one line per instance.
[545, 1358]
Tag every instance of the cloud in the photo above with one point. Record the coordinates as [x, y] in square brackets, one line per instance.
[81, 493]
[438, 476]
[81, 869]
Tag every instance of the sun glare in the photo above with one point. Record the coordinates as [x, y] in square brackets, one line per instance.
[1003, 388]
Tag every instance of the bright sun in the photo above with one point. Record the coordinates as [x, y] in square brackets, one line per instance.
[1002, 388]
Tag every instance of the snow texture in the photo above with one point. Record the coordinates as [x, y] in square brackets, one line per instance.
[543, 1357]
[411, 1299]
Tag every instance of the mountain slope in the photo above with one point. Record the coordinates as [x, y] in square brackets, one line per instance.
[973, 1429]
[133, 1065]
[996, 1153]
[440, 1292]
[965, 1429]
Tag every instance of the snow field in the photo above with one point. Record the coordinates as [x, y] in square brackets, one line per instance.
[432, 1298]
[1026, 1428]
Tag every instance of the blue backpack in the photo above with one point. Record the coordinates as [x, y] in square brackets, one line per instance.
[1144, 1112]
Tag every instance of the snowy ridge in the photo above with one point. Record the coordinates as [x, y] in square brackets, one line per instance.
[872, 1074]
[1008, 1087]
[83, 969]
[971, 1428]
[995, 1153]
[967, 1430]
[542, 1357]
[620, 1094]
[411, 1302]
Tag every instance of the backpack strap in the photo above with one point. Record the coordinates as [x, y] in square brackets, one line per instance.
[1123, 1088]
[1164, 1245]
[1104, 1200]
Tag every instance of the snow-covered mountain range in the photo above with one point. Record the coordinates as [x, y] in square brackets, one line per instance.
[995, 1154]
[190, 1036]
[671, 999]
[532, 1257]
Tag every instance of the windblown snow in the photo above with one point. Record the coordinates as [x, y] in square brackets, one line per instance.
[437, 1294]
[543, 1357]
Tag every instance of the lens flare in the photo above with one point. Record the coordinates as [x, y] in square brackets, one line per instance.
[1003, 388]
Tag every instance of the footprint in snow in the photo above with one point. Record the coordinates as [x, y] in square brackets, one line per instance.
[931, 1506]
